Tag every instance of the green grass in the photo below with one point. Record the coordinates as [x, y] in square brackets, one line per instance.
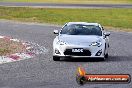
[75, 1]
[121, 18]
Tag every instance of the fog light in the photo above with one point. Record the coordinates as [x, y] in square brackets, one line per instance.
[99, 53]
[57, 51]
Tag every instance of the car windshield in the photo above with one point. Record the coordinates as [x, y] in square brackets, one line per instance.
[80, 29]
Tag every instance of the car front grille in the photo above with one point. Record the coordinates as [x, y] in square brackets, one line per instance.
[84, 53]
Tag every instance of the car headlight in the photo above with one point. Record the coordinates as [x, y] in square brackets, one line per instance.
[96, 44]
[61, 42]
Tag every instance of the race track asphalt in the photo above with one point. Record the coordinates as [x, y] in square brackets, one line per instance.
[51, 5]
[42, 72]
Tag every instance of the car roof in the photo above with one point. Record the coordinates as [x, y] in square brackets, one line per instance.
[84, 23]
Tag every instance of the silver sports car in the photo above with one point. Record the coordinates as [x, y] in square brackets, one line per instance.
[81, 40]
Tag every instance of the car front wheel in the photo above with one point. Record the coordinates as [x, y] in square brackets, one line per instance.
[106, 55]
[56, 58]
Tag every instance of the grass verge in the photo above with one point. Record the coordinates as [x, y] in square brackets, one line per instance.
[8, 47]
[75, 1]
[115, 17]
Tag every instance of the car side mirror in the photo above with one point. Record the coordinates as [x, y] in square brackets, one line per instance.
[56, 32]
[102, 28]
[106, 33]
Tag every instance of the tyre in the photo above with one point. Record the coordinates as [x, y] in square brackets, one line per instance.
[56, 58]
[106, 55]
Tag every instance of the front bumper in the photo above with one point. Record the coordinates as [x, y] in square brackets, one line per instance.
[60, 50]
[71, 56]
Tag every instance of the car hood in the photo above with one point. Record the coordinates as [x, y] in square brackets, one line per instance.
[79, 39]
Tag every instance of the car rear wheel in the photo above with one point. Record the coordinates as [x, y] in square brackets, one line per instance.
[56, 58]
